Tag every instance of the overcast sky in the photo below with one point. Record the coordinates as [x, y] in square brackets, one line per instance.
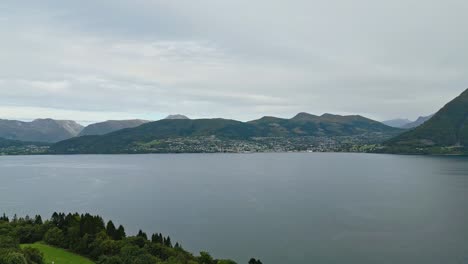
[92, 60]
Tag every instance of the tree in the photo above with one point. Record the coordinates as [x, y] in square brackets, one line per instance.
[54, 237]
[120, 233]
[158, 238]
[110, 260]
[24, 233]
[167, 242]
[205, 258]
[4, 218]
[8, 242]
[142, 235]
[254, 261]
[38, 220]
[111, 230]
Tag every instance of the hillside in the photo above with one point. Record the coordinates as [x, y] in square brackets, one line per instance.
[57, 255]
[131, 140]
[445, 132]
[304, 124]
[39, 130]
[7, 143]
[110, 126]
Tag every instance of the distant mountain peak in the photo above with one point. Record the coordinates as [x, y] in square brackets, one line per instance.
[421, 120]
[303, 115]
[176, 116]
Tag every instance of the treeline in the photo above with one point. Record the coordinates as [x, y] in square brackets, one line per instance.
[88, 235]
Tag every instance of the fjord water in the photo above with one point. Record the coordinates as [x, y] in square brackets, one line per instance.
[281, 208]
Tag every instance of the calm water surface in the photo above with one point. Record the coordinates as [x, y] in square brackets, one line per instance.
[281, 208]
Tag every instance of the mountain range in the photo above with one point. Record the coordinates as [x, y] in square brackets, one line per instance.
[445, 132]
[406, 123]
[39, 130]
[421, 120]
[301, 125]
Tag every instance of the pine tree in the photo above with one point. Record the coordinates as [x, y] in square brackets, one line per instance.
[120, 234]
[111, 231]
[38, 220]
[168, 243]
[142, 234]
[4, 218]
[155, 238]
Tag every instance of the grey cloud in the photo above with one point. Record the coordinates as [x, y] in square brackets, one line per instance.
[238, 59]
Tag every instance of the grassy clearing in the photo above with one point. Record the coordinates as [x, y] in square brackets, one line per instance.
[58, 256]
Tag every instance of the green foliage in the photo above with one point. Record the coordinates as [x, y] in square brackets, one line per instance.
[254, 261]
[55, 237]
[81, 239]
[205, 258]
[33, 255]
[57, 255]
[13, 258]
[226, 261]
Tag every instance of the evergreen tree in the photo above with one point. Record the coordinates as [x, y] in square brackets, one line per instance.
[142, 235]
[155, 238]
[120, 234]
[4, 218]
[206, 258]
[254, 261]
[111, 230]
[38, 220]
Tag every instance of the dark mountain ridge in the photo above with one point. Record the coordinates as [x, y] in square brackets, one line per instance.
[303, 124]
[110, 126]
[447, 129]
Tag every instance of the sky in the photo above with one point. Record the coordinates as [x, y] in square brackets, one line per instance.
[94, 60]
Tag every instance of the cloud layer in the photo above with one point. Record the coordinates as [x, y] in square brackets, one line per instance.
[95, 60]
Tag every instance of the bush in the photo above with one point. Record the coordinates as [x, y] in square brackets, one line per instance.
[14, 258]
[33, 255]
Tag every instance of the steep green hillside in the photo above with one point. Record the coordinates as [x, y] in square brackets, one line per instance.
[6, 143]
[445, 132]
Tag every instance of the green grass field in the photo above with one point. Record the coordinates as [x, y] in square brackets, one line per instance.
[58, 256]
